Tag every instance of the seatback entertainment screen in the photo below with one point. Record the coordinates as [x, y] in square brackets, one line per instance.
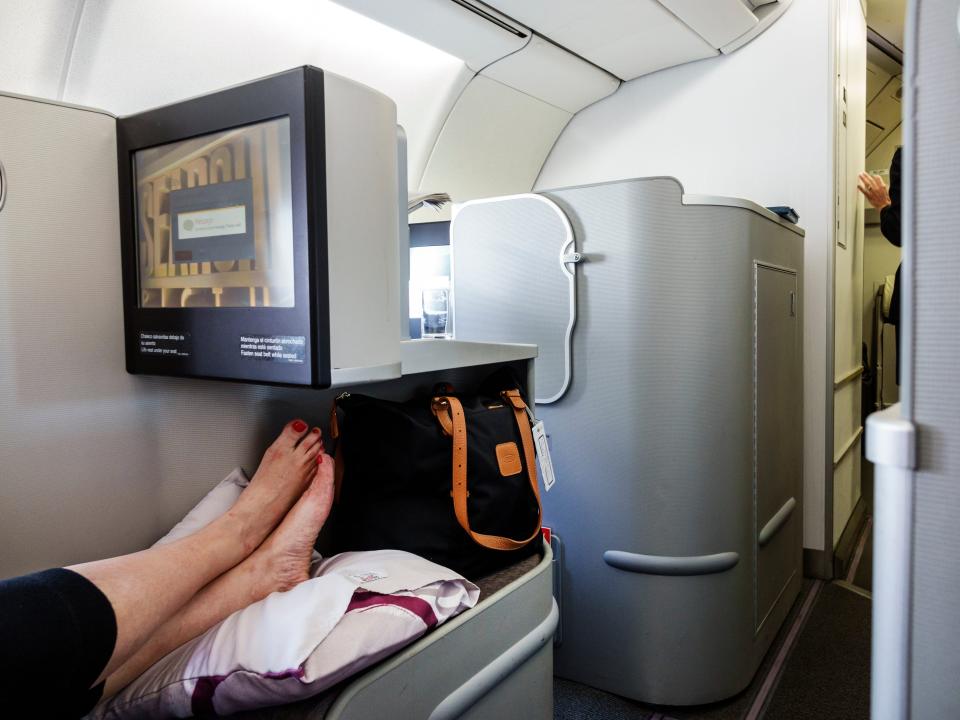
[214, 220]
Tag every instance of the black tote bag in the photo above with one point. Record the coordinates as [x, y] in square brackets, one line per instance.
[452, 479]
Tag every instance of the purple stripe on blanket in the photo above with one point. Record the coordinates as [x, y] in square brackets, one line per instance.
[201, 702]
[365, 599]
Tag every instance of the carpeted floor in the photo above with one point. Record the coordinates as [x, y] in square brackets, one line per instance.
[573, 701]
[864, 575]
[826, 674]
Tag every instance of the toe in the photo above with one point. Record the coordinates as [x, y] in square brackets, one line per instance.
[310, 455]
[292, 433]
[311, 440]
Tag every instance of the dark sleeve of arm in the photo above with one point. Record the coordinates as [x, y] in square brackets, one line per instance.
[890, 215]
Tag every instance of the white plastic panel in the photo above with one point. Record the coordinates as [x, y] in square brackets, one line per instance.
[493, 143]
[513, 248]
[718, 22]
[887, 18]
[35, 37]
[362, 229]
[848, 262]
[431, 354]
[468, 35]
[625, 37]
[179, 48]
[767, 14]
[554, 75]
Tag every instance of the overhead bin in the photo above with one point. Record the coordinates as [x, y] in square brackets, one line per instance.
[628, 38]
[494, 141]
[539, 62]
[505, 122]
[475, 33]
[549, 72]
[719, 22]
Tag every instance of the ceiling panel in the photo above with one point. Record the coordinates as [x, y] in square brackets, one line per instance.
[719, 22]
[885, 112]
[628, 38]
[35, 38]
[877, 77]
[478, 39]
[886, 17]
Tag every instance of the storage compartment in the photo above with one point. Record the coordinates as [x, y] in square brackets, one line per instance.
[779, 418]
[679, 437]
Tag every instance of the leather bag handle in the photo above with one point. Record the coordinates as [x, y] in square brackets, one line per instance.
[338, 453]
[449, 412]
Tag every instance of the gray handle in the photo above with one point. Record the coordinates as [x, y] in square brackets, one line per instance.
[467, 695]
[776, 522]
[666, 565]
[3, 185]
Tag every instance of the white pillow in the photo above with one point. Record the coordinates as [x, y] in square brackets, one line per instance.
[360, 607]
[214, 504]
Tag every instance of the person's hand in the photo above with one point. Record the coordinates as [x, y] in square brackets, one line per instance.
[873, 187]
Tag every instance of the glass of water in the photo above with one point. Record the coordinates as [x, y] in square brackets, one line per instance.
[436, 305]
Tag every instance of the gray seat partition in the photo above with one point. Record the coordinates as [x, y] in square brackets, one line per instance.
[494, 245]
[678, 446]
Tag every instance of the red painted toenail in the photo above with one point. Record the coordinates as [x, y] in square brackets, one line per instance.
[319, 458]
[299, 426]
[316, 430]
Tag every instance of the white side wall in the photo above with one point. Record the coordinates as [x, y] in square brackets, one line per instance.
[848, 264]
[756, 124]
[125, 56]
[35, 42]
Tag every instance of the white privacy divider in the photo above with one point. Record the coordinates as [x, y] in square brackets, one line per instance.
[513, 281]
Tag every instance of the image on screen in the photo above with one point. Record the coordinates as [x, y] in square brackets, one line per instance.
[214, 220]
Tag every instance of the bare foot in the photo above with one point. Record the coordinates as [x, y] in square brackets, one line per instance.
[286, 469]
[283, 561]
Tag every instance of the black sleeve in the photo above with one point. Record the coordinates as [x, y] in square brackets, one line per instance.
[890, 215]
[57, 633]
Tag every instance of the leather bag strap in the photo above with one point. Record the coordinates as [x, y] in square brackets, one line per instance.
[449, 412]
[520, 413]
[338, 453]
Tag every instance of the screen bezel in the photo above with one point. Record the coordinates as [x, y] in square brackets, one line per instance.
[215, 332]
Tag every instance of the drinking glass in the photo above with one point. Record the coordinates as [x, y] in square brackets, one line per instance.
[436, 304]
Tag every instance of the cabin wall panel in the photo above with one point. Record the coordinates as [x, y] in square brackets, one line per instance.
[493, 143]
[851, 120]
[756, 124]
[131, 55]
[35, 40]
[95, 462]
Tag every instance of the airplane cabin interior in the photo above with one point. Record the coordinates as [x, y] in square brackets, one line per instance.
[479, 359]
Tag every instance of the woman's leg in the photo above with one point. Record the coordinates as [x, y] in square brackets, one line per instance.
[279, 564]
[146, 588]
